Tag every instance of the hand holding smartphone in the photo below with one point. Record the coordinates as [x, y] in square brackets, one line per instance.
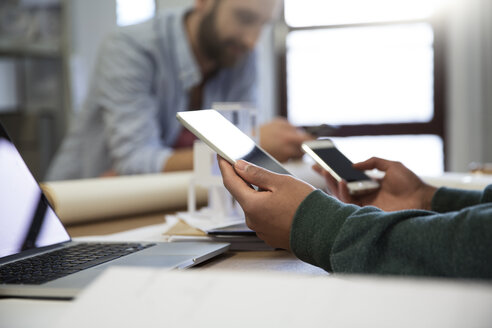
[326, 155]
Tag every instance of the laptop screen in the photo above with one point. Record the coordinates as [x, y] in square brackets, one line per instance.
[26, 219]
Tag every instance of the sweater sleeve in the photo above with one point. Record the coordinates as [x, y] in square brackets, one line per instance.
[346, 238]
[449, 199]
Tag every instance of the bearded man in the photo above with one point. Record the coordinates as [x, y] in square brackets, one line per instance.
[181, 59]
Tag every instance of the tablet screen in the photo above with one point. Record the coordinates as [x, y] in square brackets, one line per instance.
[226, 139]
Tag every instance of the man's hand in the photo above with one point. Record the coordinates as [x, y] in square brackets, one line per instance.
[269, 212]
[400, 188]
[282, 140]
[180, 160]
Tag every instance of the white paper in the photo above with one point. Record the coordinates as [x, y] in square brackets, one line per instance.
[124, 297]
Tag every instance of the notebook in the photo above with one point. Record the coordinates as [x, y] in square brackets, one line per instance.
[39, 259]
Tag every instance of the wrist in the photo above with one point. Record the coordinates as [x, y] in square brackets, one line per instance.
[426, 196]
[180, 160]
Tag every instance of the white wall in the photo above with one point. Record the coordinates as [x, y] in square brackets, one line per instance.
[267, 87]
[163, 4]
[469, 84]
[91, 21]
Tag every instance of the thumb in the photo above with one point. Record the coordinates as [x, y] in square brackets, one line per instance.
[255, 175]
[373, 163]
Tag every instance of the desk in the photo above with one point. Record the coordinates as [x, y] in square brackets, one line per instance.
[36, 313]
[394, 309]
[44, 313]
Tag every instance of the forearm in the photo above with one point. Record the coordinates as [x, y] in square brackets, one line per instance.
[347, 238]
[314, 229]
[180, 160]
[449, 199]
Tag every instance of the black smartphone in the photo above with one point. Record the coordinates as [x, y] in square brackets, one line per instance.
[326, 155]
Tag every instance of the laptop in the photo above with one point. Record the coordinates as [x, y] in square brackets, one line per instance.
[38, 258]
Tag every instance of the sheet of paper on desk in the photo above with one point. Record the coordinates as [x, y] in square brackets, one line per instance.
[194, 229]
[195, 298]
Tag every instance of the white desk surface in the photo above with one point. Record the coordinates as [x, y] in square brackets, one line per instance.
[230, 299]
[17, 313]
[474, 301]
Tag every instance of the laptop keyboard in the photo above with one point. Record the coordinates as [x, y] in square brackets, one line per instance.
[59, 263]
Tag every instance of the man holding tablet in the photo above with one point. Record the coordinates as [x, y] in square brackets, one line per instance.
[405, 227]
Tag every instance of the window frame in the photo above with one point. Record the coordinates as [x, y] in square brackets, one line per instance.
[434, 127]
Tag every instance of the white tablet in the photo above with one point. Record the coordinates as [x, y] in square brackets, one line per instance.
[227, 140]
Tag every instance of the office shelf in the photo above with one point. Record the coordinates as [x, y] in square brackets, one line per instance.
[41, 57]
[27, 49]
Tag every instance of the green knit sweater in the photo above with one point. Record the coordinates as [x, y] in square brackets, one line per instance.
[453, 240]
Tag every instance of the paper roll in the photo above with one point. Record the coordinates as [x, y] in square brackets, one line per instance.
[93, 199]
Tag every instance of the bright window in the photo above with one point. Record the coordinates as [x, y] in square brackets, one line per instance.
[408, 149]
[336, 12]
[378, 74]
[130, 12]
[373, 69]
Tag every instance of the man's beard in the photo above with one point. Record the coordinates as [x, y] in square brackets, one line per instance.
[226, 52]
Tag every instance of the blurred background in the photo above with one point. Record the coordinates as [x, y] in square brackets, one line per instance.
[408, 80]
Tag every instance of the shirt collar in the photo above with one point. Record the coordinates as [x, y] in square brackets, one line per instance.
[189, 72]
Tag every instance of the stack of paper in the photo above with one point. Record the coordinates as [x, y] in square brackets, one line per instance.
[195, 229]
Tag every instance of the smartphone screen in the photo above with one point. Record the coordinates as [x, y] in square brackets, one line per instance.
[340, 164]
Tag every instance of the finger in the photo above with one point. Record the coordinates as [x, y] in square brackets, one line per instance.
[287, 152]
[325, 173]
[344, 192]
[332, 184]
[294, 151]
[238, 188]
[374, 163]
[297, 137]
[260, 177]
[317, 169]
[249, 223]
